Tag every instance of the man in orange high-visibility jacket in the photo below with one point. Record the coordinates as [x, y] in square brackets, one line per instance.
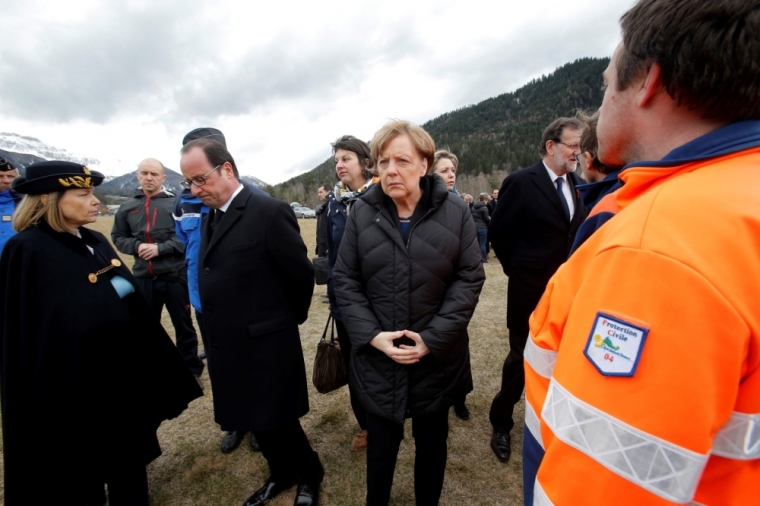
[642, 369]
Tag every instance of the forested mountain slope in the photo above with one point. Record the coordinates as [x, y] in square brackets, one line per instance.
[492, 138]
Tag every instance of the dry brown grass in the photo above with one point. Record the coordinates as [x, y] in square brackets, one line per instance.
[193, 472]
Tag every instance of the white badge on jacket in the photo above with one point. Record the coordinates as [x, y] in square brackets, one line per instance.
[614, 346]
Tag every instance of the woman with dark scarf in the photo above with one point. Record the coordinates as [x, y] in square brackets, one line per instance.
[353, 166]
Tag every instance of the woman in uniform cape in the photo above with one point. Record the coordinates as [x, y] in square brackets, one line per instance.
[88, 374]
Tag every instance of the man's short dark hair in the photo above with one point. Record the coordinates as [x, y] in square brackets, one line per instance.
[554, 131]
[215, 152]
[590, 142]
[708, 50]
[360, 148]
[326, 187]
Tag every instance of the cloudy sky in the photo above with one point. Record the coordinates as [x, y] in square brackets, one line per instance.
[124, 80]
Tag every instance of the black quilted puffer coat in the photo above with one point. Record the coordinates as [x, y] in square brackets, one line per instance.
[430, 285]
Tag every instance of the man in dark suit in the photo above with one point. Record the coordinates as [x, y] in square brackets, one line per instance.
[255, 283]
[531, 232]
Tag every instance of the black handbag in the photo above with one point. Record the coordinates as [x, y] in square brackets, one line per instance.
[329, 367]
[321, 269]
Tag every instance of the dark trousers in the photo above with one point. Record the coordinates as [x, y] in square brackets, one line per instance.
[483, 241]
[199, 319]
[512, 384]
[176, 298]
[289, 454]
[345, 349]
[128, 488]
[384, 437]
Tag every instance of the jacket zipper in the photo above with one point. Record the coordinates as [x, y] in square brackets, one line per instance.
[147, 230]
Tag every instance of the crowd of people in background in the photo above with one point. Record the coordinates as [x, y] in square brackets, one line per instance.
[631, 308]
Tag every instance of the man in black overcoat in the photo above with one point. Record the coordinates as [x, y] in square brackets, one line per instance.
[531, 232]
[255, 283]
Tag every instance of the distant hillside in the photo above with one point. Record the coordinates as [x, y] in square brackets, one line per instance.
[127, 184]
[493, 138]
[20, 160]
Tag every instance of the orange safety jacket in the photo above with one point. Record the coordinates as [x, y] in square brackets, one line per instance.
[642, 369]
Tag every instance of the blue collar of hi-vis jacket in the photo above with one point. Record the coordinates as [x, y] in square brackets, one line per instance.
[723, 141]
[592, 192]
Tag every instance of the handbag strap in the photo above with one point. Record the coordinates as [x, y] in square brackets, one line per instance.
[324, 333]
[332, 332]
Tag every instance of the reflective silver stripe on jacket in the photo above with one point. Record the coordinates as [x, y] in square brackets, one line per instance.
[541, 360]
[539, 496]
[532, 423]
[739, 438]
[663, 468]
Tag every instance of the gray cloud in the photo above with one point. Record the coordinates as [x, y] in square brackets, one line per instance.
[287, 69]
[166, 62]
[118, 61]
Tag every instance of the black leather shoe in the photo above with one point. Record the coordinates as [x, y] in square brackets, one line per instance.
[269, 491]
[461, 411]
[232, 440]
[307, 495]
[501, 445]
[255, 446]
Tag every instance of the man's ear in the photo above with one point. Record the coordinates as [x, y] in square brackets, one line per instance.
[589, 160]
[650, 86]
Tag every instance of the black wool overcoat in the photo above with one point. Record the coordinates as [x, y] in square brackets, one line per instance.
[256, 283]
[429, 285]
[531, 236]
[87, 377]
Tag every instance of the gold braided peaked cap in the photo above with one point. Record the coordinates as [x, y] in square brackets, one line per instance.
[46, 177]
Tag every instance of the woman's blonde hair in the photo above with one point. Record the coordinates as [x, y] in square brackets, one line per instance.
[33, 209]
[444, 154]
[421, 140]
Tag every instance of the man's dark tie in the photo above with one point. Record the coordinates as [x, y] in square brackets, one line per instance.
[562, 198]
[217, 218]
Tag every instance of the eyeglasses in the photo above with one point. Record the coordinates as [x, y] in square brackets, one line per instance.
[578, 157]
[198, 181]
[574, 146]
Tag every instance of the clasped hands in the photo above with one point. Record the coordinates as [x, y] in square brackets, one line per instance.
[403, 354]
[146, 251]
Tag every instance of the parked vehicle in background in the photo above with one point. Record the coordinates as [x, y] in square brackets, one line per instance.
[304, 212]
[295, 205]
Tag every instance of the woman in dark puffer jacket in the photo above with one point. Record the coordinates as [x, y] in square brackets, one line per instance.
[407, 279]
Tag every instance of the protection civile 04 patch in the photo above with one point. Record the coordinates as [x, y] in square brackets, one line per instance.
[615, 345]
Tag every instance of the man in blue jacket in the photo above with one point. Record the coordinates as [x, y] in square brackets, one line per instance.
[188, 215]
[9, 199]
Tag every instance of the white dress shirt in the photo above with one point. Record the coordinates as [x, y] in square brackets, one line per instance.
[565, 189]
[227, 204]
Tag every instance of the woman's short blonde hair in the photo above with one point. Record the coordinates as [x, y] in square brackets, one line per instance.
[444, 154]
[423, 143]
[33, 209]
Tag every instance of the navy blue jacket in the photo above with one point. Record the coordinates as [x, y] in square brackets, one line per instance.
[591, 194]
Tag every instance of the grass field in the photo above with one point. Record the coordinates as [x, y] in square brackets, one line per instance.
[193, 472]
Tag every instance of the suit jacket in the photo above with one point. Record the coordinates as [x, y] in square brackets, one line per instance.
[256, 283]
[531, 236]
